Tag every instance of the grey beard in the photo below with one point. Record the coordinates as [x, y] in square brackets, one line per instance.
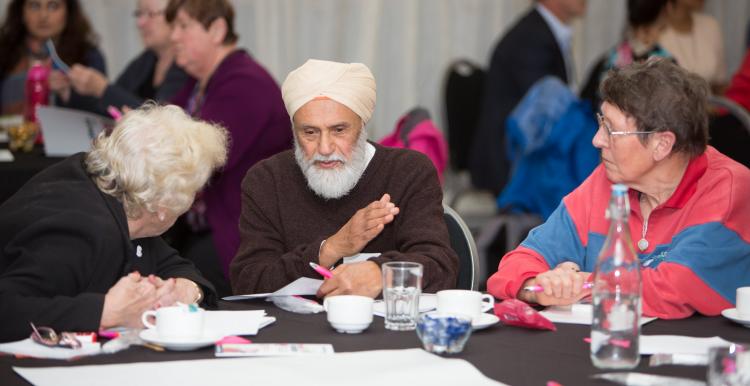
[338, 182]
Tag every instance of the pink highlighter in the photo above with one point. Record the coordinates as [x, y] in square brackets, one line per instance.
[114, 112]
[322, 271]
[538, 288]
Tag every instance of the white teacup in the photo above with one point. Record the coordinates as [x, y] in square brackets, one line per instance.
[743, 302]
[465, 302]
[349, 314]
[175, 323]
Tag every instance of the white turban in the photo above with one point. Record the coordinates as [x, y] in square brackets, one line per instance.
[350, 84]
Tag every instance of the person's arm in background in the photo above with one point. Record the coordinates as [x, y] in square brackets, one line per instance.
[739, 87]
[94, 60]
[124, 91]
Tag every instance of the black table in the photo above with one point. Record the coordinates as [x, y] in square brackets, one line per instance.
[13, 175]
[511, 355]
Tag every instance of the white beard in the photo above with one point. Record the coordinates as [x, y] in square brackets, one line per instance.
[337, 182]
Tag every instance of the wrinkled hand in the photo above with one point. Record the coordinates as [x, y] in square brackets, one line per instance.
[124, 303]
[171, 291]
[59, 84]
[353, 279]
[562, 285]
[364, 226]
[87, 81]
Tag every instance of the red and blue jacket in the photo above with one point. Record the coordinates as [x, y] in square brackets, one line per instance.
[699, 239]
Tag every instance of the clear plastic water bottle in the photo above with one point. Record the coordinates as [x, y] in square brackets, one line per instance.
[615, 329]
[37, 92]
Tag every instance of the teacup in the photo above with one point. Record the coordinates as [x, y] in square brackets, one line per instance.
[175, 323]
[743, 302]
[464, 302]
[350, 314]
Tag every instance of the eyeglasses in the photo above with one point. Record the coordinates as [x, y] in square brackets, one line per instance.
[151, 14]
[48, 337]
[610, 133]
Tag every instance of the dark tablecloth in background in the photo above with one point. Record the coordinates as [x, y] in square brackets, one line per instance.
[511, 355]
[13, 175]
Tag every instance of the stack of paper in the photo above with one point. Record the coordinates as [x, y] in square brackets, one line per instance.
[676, 344]
[301, 286]
[236, 322]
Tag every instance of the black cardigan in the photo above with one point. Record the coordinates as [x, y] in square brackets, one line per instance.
[63, 244]
[137, 76]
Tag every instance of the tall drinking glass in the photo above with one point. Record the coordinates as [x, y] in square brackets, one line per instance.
[402, 285]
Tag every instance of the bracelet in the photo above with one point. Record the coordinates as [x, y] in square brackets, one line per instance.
[320, 249]
[198, 298]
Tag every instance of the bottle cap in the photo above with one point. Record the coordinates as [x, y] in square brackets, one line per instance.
[619, 189]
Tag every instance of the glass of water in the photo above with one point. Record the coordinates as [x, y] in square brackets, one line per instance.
[402, 285]
[729, 366]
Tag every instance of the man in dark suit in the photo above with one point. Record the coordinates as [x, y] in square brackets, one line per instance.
[538, 45]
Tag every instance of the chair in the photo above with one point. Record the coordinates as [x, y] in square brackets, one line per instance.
[464, 84]
[730, 133]
[733, 108]
[462, 96]
[462, 243]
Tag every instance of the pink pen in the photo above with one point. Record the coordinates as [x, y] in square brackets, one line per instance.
[322, 271]
[538, 288]
[615, 342]
[114, 112]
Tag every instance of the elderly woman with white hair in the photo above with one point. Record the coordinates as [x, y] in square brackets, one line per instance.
[80, 241]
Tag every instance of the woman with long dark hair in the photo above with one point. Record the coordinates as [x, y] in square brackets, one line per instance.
[27, 26]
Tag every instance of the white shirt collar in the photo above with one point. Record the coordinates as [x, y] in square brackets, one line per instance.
[563, 32]
[369, 152]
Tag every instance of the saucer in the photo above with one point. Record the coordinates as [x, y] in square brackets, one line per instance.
[483, 321]
[731, 314]
[151, 336]
[427, 302]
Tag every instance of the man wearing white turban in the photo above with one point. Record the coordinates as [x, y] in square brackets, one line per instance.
[336, 196]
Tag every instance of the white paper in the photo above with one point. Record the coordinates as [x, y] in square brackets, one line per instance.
[28, 347]
[577, 314]
[3, 136]
[249, 296]
[266, 320]
[641, 379]
[301, 286]
[272, 349]
[6, 155]
[677, 344]
[360, 257]
[366, 368]
[233, 322]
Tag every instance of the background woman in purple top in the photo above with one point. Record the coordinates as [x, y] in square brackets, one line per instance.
[231, 89]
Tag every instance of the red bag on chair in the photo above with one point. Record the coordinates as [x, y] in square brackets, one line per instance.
[416, 131]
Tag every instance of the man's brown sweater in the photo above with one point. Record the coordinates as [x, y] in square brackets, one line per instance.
[283, 221]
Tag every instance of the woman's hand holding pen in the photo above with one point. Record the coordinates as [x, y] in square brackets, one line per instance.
[563, 285]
